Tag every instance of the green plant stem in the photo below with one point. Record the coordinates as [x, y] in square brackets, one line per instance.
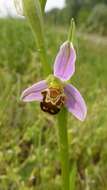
[63, 144]
[43, 3]
[33, 13]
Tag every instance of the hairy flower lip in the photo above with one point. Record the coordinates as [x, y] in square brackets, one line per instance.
[64, 68]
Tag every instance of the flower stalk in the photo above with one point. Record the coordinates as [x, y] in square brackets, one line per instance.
[43, 3]
[33, 12]
[63, 145]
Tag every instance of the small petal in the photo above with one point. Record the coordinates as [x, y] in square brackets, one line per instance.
[64, 66]
[33, 93]
[75, 102]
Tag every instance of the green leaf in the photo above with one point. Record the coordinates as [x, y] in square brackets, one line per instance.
[73, 174]
[33, 13]
[43, 3]
[72, 31]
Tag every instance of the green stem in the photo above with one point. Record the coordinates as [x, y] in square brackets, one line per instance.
[63, 144]
[43, 3]
[33, 12]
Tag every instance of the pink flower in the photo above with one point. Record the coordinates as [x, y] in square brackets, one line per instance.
[53, 93]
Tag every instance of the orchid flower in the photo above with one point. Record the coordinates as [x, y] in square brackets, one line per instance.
[54, 92]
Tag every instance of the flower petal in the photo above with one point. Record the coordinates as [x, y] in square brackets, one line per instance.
[64, 66]
[75, 102]
[33, 93]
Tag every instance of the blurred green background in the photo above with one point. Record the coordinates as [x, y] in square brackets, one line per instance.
[29, 156]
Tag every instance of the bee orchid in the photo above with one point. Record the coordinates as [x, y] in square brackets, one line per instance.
[54, 92]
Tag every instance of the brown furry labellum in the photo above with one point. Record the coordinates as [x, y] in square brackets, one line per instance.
[53, 100]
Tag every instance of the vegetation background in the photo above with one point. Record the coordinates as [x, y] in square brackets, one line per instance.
[29, 156]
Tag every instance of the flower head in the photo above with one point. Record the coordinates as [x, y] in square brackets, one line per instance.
[53, 93]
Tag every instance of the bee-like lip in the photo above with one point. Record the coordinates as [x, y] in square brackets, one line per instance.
[53, 100]
[49, 108]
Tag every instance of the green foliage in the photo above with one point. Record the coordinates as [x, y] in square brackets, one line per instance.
[57, 16]
[28, 140]
[72, 32]
[43, 3]
[33, 13]
[97, 22]
[74, 6]
[83, 16]
[81, 8]
[63, 145]
[95, 2]
[73, 176]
